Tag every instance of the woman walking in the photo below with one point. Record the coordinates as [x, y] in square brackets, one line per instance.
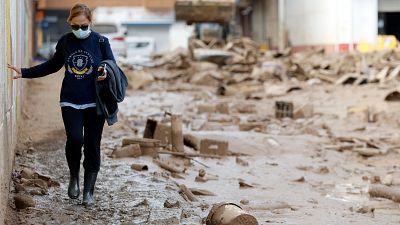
[80, 52]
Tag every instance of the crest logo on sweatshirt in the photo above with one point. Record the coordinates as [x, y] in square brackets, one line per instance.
[80, 63]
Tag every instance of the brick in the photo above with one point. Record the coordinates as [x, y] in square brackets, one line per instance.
[213, 147]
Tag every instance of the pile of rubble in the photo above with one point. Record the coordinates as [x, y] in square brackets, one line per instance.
[240, 60]
[29, 183]
[167, 138]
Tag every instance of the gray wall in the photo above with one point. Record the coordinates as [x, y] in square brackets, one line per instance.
[15, 30]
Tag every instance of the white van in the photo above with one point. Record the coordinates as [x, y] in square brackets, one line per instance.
[116, 35]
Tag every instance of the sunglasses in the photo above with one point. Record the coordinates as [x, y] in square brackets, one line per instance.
[76, 27]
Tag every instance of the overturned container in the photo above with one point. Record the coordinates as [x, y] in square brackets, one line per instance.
[229, 214]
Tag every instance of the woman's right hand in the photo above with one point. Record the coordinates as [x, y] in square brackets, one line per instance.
[17, 70]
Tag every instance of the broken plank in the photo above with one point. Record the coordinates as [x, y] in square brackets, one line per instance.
[188, 193]
[168, 167]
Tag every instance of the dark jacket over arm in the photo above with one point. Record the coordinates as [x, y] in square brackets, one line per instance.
[111, 91]
[51, 66]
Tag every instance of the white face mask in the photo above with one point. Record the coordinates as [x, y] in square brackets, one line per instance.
[82, 34]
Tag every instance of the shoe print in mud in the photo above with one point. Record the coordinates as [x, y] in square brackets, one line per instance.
[80, 63]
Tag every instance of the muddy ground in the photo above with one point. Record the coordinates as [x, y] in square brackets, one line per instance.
[294, 177]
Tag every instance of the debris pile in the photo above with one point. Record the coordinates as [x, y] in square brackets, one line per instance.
[240, 60]
[29, 183]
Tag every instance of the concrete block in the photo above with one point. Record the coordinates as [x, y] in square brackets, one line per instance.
[213, 147]
[283, 109]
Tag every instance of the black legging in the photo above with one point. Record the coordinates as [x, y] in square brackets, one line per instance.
[83, 128]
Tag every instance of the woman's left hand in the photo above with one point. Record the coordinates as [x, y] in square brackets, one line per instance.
[104, 74]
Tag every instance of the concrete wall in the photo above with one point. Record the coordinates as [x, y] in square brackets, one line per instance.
[15, 19]
[333, 23]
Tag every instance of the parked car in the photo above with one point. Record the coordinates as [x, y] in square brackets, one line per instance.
[139, 51]
[139, 46]
[116, 34]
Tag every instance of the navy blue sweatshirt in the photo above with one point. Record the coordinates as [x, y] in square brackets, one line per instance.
[81, 59]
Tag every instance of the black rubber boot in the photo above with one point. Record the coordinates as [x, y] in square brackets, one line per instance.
[73, 187]
[89, 182]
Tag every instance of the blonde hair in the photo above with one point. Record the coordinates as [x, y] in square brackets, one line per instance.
[79, 9]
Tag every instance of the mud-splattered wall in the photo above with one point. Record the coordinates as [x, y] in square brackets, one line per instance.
[15, 48]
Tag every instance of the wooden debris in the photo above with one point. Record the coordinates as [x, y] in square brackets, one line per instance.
[381, 76]
[367, 152]
[177, 176]
[184, 190]
[347, 79]
[300, 179]
[382, 191]
[395, 73]
[168, 167]
[203, 192]
[243, 184]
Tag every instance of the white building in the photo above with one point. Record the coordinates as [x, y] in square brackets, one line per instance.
[337, 25]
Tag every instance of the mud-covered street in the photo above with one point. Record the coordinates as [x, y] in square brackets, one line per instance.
[230, 112]
[281, 171]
